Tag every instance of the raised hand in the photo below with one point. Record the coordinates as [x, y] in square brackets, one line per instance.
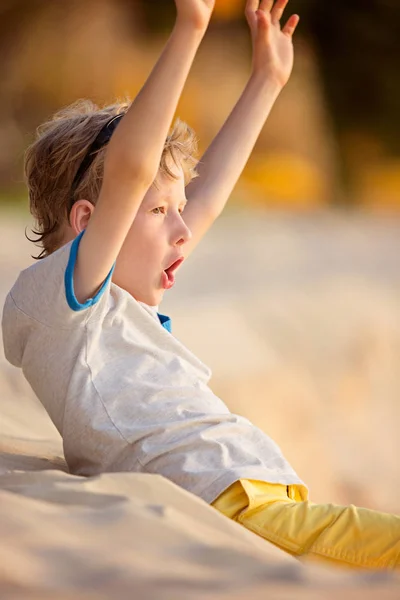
[272, 45]
[196, 13]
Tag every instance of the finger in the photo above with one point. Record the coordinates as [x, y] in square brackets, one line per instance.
[277, 11]
[291, 25]
[252, 5]
[266, 5]
[250, 12]
[263, 20]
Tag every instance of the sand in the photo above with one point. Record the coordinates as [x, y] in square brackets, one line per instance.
[313, 363]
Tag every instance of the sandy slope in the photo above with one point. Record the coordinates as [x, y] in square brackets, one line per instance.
[303, 333]
[131, 535]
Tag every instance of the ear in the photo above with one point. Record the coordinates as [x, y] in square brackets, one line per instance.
[80, 215]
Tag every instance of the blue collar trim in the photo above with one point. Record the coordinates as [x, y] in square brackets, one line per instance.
[165, 322]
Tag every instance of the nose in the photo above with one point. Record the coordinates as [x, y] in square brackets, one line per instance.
[183, 233]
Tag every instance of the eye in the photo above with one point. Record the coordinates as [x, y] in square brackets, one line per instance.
[159, 209]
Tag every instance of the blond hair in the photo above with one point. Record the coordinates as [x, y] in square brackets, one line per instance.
[53, 159]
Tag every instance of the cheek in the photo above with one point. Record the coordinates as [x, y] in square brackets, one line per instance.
[137, 236]
[143, 244]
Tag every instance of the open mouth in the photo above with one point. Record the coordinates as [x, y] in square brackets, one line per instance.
[168, 277]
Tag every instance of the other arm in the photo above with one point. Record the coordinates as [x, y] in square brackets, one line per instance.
[225, 159]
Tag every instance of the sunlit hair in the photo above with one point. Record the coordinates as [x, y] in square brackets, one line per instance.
[61, 144]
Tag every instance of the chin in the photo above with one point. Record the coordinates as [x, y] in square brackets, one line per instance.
[155, 299]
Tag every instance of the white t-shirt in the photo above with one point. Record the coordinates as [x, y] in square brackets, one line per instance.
[123, 392]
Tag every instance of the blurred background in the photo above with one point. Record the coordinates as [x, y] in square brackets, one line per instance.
[293, 297]
[333, 137]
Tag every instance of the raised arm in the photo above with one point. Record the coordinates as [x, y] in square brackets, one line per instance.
[134, 152]
[225, 159]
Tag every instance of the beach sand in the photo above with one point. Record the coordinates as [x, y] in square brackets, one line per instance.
[299, 318]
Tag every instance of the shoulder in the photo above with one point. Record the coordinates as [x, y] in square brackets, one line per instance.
[41, 281]
[37, 307]
[45, 290]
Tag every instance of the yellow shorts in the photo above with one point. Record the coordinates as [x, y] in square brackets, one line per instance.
[344, 535]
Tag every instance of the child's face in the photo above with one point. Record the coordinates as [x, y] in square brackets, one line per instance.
[155, 240]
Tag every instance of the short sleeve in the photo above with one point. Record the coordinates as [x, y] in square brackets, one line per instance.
[69, 280]
[45, 291]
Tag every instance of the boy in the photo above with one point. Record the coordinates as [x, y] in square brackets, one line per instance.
[83, 323]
